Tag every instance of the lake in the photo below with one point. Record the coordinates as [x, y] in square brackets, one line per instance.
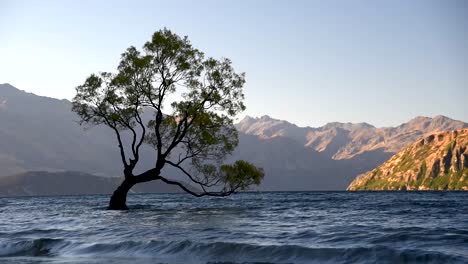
[275, 227]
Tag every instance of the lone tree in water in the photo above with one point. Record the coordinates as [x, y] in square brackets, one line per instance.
[195, 134]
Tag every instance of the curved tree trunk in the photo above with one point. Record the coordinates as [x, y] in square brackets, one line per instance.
[118, 200]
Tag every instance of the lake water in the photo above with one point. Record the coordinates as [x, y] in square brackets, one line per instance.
[282, 227]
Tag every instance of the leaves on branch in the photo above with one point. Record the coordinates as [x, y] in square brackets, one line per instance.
[198, 131]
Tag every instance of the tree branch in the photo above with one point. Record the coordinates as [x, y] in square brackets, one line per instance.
[202, 185]
[218, 194]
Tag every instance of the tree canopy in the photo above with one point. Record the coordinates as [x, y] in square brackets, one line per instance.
[195, 134]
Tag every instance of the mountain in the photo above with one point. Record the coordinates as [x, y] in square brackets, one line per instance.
[266, 127]
[436, 162]
[70, 183]
[42, 134]
[291, 167]
[347, 140]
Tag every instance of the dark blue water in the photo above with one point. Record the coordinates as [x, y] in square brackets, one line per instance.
[310, 227]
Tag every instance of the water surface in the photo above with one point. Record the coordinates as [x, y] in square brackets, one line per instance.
[281, 227]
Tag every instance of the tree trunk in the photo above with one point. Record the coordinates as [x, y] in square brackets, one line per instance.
[118, 200]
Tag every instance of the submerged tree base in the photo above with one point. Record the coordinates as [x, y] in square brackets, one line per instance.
[115, 205]
[118, 200]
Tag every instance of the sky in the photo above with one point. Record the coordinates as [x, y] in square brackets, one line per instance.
[308, 62]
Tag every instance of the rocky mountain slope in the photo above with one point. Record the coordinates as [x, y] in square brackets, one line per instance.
[348, 140]
[436, 162]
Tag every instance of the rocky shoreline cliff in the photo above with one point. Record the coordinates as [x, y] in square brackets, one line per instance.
[436, 162]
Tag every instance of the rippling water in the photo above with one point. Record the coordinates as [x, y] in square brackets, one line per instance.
[306, 227]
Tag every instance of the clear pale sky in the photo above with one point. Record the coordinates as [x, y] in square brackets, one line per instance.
[309, 62]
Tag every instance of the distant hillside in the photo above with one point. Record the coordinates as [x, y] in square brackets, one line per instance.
[70, 183]
[42, 134]
[437, 162]
[348, 140]
[291, 167]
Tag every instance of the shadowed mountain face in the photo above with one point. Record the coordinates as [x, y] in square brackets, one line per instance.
[290, 166]
[40, 133]
[69, 183]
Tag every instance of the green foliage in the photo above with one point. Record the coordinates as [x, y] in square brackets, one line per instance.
[377, 184]
[449, 146]
[199, 126]
[406, 163]
[420, 175]
[242, 174]
[449, 181]
[459, 180]
[422, 152]
[440, 182]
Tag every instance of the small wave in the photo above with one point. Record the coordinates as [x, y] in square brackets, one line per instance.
[417, 237]
[34, 248]
[34, 232]
[221, 252]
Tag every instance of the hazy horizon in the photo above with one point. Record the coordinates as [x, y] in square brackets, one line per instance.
[259, 116]
[306, 62]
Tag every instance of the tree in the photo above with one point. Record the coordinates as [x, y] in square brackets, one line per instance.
[194, 136]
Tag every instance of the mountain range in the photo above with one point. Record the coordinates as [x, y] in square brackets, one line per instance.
[347, 140]
[42, 134]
